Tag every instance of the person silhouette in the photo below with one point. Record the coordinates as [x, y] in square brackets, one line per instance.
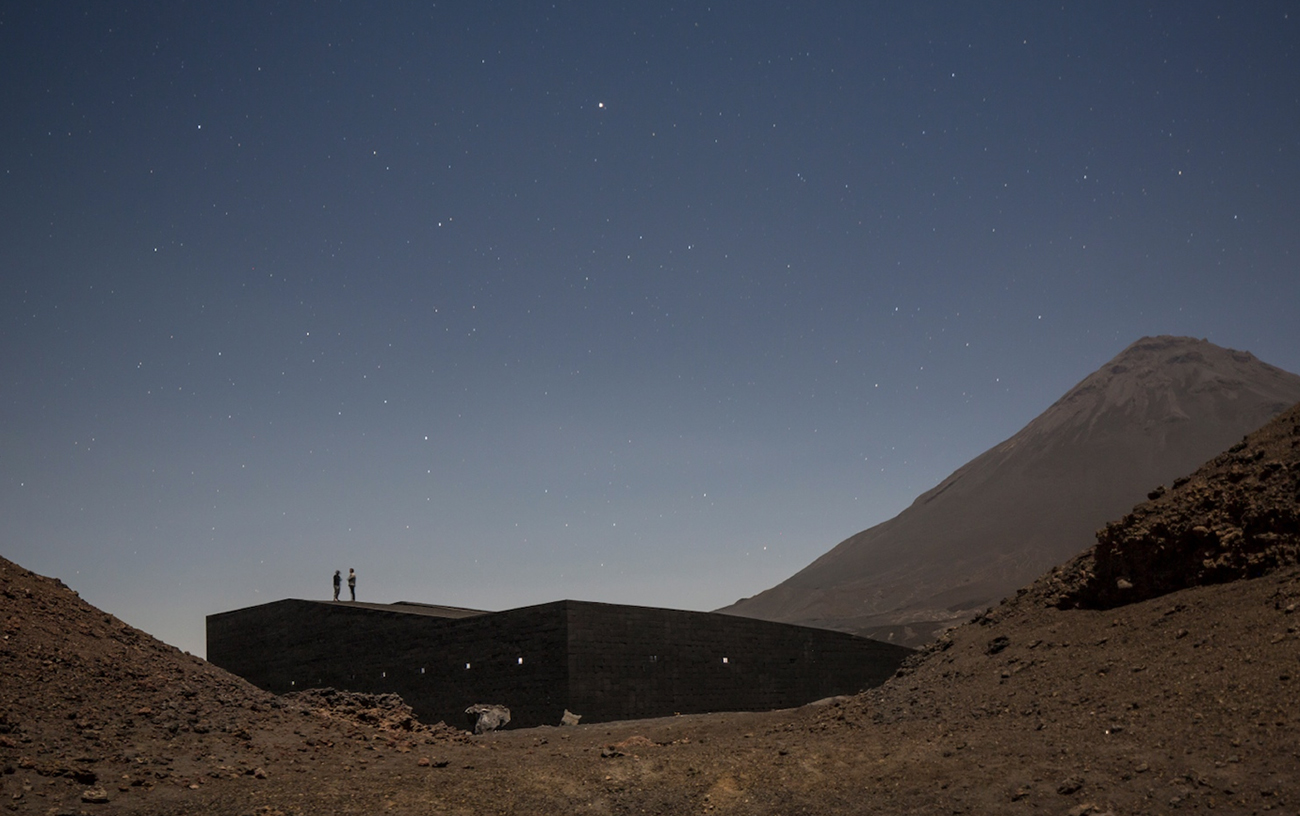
[338, 583]
[352, 582]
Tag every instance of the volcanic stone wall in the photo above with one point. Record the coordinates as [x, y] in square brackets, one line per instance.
[629, 662]
[439, 666]
[603, 661]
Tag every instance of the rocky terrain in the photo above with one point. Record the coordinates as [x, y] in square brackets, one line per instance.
[1237, 517]
[1154, 413]
[1154, 674]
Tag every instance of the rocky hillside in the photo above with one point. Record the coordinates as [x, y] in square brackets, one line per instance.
[1236, 517]
[1154, 674]
[93, 710]
[1155, 412]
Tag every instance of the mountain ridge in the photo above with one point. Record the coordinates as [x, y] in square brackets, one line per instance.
[1156, 411]
[1152, 672]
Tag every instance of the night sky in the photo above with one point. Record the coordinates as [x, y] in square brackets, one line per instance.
[504, 303]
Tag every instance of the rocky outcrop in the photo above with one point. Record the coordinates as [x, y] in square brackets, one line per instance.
[1236, 517]
[387, 712]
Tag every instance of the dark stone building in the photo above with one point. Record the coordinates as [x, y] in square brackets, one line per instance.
[602, 661]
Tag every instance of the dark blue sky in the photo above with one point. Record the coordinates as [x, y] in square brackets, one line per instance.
[505, 303]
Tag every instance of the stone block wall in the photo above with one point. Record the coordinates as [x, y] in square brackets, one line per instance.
[439, 666]
[629, 662]
[603, 661]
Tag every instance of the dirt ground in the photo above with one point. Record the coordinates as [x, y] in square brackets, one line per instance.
[1089, 692]
[1184, 702]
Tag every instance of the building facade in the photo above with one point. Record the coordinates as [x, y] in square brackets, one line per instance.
[602, 661]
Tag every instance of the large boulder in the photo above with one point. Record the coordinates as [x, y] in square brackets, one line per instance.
[485, 717]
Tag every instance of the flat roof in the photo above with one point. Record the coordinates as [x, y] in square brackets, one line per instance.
[412, 608]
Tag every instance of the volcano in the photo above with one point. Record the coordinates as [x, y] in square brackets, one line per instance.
[1153, 672]
[1153, 413]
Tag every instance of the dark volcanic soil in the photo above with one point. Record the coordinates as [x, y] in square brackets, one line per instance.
[1180, 702]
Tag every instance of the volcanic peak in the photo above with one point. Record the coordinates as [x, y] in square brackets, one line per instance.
[1156, 411]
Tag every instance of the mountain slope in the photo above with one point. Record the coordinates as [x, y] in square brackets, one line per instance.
[1144, 676]
[1154, 412]
[93, 711]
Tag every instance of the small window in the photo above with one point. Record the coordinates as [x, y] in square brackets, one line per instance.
[725, 660]
[521, 661]
[467, 665]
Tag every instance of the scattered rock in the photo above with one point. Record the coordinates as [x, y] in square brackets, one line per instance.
[485, 717]
[997, 644]
[94, 796]
[636, 741]
[1070, 785]
[570, 718]
[387, 711]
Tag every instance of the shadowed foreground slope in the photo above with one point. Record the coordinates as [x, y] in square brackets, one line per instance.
[1180, 701]
[1155, 412]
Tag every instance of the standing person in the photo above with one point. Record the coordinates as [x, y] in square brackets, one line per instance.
[352, 582]
[338, 582]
